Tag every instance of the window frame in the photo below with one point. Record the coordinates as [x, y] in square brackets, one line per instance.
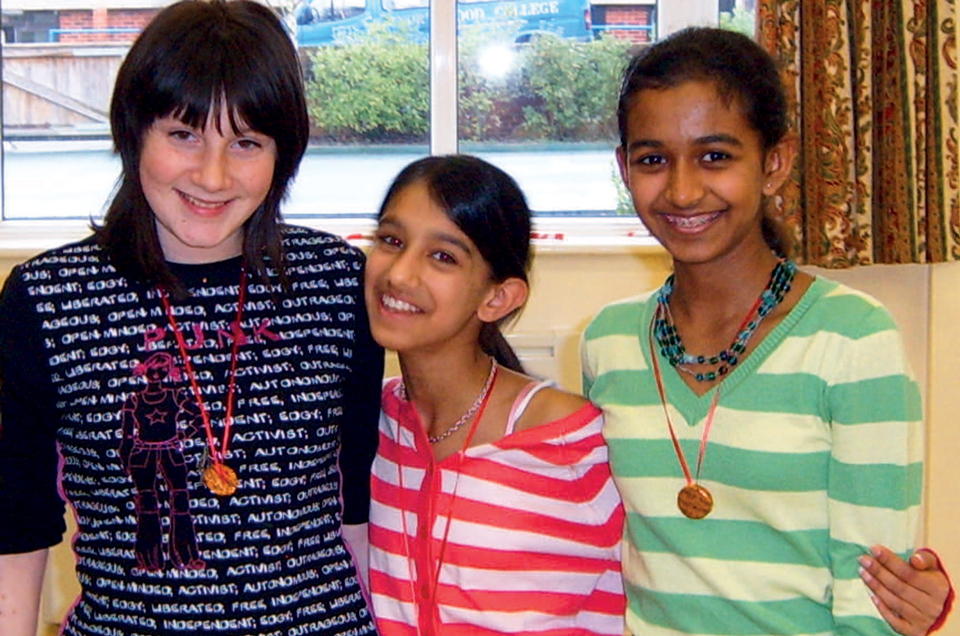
[23, 238]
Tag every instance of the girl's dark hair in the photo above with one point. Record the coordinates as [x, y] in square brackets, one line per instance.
[741, 69]
[489, 207]
[743, 73]
[194, 58]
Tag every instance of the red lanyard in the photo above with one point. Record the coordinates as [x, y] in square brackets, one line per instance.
[694, 500]
[432, 596]
[217, 455]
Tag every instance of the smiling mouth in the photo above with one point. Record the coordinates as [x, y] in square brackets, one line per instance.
[201, 203]
[694, 222]
[395, 304]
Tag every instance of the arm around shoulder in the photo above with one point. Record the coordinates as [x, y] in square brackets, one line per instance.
[21, 579]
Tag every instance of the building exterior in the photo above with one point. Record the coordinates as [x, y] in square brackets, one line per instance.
[76, 21]
[631, 20]
[118, 21]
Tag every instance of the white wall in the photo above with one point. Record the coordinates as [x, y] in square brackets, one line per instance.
[570, 285]
[673, 15]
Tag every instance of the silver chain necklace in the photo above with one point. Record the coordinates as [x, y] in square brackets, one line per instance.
[470, 412]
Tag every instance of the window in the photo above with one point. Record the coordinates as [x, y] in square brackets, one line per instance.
[536, 91]
[537, 96]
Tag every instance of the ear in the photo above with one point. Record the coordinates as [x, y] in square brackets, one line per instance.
[503, 299]
[622, 164]
[778, 163]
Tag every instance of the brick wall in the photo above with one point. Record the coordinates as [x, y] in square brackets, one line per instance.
[103, 19]
[613, 16]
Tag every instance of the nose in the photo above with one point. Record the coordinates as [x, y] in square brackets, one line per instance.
[404, 270]
[212, 170]
[685, 187]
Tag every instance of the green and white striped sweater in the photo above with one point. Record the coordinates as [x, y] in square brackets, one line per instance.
[816, 453]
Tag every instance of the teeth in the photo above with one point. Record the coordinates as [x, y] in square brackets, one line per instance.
[397, 305]
[690, 222]
[200, 203]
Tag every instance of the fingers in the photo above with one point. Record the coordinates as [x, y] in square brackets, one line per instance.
[890, 576]
[923, 560]
[893, 564]
[922, 573]
[910, 596]
[895, 600]
[897, 622]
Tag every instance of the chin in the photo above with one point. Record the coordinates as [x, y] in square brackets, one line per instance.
[385, 337]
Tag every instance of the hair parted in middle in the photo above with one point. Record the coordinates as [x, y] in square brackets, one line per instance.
[193, 60]
[744, 75]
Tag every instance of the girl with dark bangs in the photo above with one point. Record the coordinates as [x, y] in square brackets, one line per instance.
[196, 379]
[235, 59]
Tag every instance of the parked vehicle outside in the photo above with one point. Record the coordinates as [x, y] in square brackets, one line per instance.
[325, 22]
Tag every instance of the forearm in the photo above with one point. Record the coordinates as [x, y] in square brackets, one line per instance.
[21, 579]
[355, 537]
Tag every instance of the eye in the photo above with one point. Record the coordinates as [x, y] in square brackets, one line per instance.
[386, 240]
[444, 257]
[181, 134]
[248, 143]
[714, 156]
[650, 161]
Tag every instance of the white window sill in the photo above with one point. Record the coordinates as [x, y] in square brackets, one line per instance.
[20, 240]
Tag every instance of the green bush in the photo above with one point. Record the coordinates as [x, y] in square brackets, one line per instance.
[741, 20]
[487, 106]
[575, 85]
[377, 87]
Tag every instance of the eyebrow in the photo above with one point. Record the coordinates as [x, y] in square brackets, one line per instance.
[719, 138]
[444, 237]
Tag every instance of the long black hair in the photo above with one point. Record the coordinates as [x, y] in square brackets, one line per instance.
[743, 73]
[193, 59]
[489, 207]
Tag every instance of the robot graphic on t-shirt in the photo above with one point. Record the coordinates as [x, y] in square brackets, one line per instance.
[154, 421]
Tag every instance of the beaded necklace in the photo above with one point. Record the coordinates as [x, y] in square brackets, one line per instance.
[671, 346]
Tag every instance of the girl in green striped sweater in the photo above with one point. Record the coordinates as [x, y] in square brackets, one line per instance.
[764, 429]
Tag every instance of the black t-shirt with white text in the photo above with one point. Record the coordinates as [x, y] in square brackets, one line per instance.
[98, 409]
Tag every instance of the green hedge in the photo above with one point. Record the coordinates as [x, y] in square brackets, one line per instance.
[376, 89]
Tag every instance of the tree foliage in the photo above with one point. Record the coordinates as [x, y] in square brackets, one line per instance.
[376, 88]
[741, 20]
[373, 88]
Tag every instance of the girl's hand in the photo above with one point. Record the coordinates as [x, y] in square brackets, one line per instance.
[910, 596]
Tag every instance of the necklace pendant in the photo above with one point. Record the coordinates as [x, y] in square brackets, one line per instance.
[220, 479]
[695, 501]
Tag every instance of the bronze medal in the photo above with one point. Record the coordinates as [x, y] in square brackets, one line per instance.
[220, 479]
[695, 501]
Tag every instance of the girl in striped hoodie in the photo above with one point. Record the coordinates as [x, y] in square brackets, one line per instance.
[493, 510]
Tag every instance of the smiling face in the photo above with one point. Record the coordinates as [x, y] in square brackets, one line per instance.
[203, 185]
[697, 171]
[427, 286]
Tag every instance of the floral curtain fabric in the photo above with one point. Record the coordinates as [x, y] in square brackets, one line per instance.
[873, 85]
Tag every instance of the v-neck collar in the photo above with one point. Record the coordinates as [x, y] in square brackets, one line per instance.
[692, 407]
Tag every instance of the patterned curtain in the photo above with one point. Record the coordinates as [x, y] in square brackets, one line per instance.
[873, 86]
